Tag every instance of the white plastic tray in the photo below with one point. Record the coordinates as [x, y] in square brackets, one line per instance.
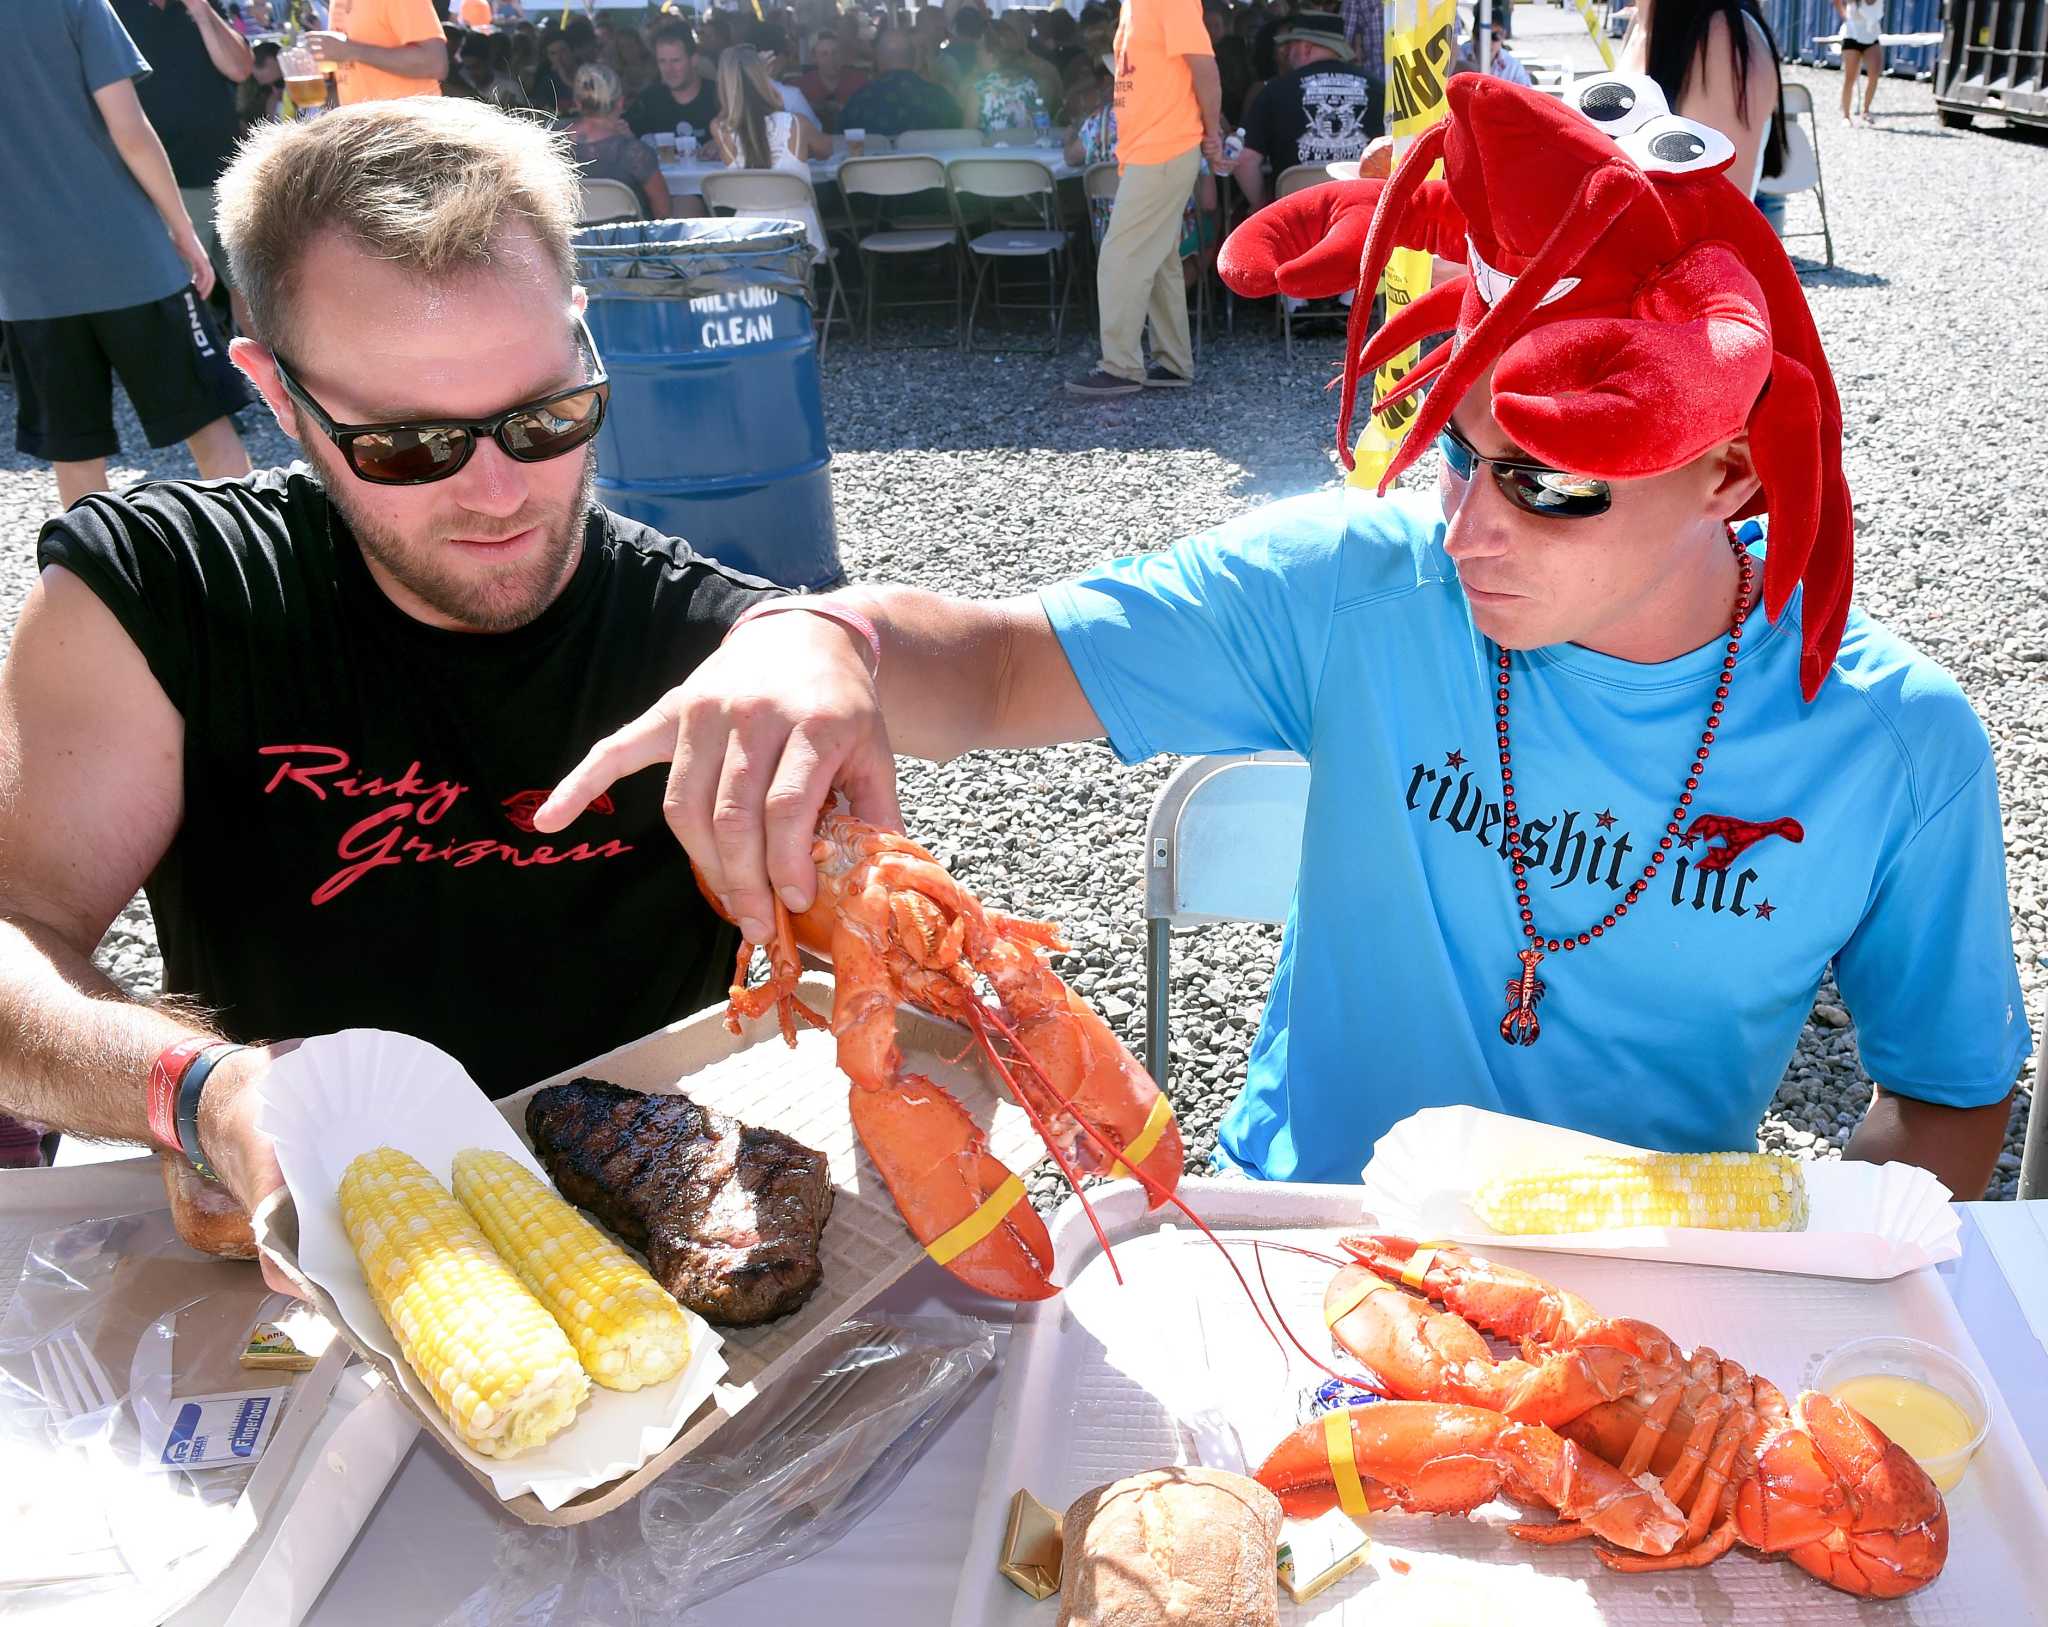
[1069, 1418]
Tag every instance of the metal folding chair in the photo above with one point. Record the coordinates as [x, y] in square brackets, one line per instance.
[607, 200]
[771, 194]
[939, 141]
[1802, 162]
[902, 175]
[1032, 191]
[1223, 844]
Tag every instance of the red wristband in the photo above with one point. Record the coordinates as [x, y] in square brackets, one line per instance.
[166, 1073]
[852, 620]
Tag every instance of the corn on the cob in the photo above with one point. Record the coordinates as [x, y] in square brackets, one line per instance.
[627, 1329]
[503, 1374]
[1728, 1191]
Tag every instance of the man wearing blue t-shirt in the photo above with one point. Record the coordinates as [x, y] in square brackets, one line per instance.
[1577, 848]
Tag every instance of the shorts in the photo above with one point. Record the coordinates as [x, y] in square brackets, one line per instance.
[1861, 45]
[170, 359]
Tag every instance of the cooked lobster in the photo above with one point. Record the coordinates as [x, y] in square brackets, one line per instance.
[898, 928]
[1733, 1460]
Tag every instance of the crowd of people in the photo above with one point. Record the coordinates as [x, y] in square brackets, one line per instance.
[169, 87]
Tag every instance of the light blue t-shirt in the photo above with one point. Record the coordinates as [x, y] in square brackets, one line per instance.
[1334, 625]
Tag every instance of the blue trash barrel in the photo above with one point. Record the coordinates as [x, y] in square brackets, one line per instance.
[716, 428]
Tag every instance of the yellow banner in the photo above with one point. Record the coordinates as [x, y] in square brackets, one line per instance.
[1599, 35]
[1420, 46]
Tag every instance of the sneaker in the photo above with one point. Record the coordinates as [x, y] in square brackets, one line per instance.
[1161, 377]
[1100, 383]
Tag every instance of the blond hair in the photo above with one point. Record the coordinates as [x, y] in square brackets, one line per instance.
[431, 183]
[746, 96]
[598, 90]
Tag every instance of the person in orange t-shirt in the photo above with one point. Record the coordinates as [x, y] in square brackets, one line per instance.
[1169, 116]
[380, 49]
[476, 14]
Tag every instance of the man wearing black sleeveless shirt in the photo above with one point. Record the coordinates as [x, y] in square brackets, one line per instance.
[315, 713]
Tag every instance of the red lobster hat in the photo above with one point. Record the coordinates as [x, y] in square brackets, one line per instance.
[1639, 307]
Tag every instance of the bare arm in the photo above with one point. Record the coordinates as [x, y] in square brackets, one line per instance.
[1959, 1144]
[1209, 96]
[659, 203]
[226, 49]
[91, 794]
[1250, 174]
[765, 729]
[423, 59]
[136, 141]
[811, 142]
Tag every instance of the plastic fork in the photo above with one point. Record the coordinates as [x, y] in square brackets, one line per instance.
[70, 1377]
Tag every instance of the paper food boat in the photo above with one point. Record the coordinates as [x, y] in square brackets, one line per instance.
[338, 1095]
[1865, 1220]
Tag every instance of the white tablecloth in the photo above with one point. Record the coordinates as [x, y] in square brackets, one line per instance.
[431, 1541]
[686, 180]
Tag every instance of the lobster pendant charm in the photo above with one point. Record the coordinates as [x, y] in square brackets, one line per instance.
[1525, 994]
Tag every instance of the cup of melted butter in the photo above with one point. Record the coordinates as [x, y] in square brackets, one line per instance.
[1926, 1400]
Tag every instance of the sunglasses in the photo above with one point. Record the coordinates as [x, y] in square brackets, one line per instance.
[1535, 488]
[416, 452]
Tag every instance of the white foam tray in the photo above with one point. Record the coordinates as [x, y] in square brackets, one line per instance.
[1069, 1418]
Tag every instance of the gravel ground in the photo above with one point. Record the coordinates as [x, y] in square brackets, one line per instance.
[978, 476]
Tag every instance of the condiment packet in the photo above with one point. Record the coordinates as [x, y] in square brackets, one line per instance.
[1033, 1547]
[1314, 1554]
[287, 1336]
[207, 1431]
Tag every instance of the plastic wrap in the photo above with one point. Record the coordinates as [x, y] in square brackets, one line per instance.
[798, 1470]
[95, 1526]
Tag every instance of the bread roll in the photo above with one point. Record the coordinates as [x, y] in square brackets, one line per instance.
[1172, 1548]
[206, 1214]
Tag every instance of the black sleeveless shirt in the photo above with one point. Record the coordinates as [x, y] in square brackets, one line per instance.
[357, 846]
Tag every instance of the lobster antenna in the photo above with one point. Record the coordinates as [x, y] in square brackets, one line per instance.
[1161, 1193]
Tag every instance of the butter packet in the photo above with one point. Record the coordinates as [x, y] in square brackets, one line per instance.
[1316, 1554]
[1033, 1547]
[287, 1337]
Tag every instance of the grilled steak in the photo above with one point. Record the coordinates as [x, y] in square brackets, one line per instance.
[729, 1215]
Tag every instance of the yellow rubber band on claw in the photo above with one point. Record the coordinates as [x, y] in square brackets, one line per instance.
[1343, 1465]
[1418, 1266]
[1349, 1302]
[1155, 1126]
[985, 1219]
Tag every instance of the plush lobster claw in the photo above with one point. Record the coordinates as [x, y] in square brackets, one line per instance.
[1306, 244]
[1698, 345]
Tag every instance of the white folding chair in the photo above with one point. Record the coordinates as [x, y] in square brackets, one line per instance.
[2034, 1149]
[1223, 844]
[939, 141]
[1802, 162]
[771, 194]
[608, 200]
[1299, 178]
[1029, 187]
[901, 175]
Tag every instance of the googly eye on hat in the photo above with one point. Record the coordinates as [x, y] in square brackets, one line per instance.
[1670, 145]
[1617, 103]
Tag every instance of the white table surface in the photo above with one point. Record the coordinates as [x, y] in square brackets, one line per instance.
[687, 179]
[431, 1541]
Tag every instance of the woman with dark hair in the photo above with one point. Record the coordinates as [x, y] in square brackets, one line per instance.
[1717, 64]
